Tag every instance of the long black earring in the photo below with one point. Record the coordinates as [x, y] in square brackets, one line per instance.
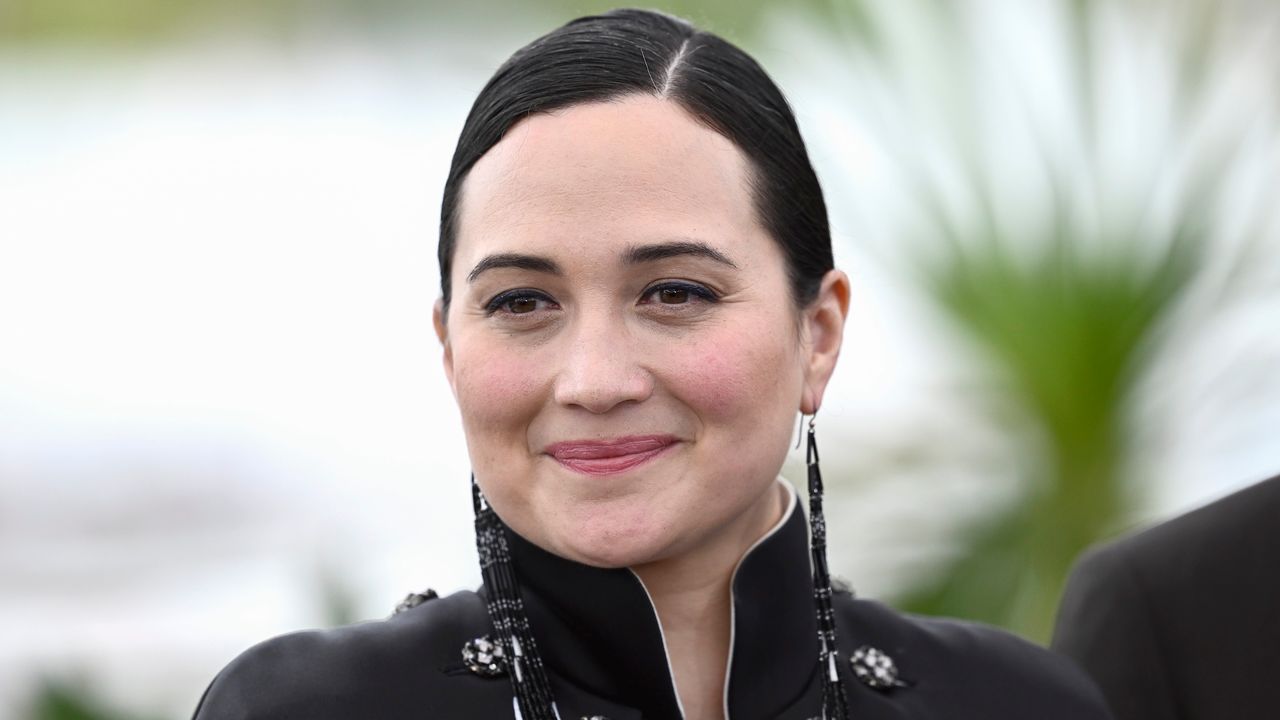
[506, 612]
[835, 703]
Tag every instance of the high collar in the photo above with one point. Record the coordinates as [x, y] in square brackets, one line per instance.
[598, 628]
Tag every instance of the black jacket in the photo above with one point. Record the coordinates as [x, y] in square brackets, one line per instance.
[1182, 621]
[600, 638]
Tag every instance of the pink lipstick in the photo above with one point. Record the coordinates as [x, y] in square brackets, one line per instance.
[609, 457]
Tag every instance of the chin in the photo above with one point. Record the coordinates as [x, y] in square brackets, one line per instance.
[607, 541]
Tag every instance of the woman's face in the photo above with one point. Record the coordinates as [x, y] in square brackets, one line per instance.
[621, 340]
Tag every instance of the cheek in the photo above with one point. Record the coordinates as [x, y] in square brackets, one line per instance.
[495, 388]
[734, 374]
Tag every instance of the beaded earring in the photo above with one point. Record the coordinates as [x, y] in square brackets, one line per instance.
[533, 697]
[835, 702]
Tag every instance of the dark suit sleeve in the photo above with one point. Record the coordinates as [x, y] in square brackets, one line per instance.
[196, 714]
[282, 678]
[1106, 625]
[230, 696]
[216, 705]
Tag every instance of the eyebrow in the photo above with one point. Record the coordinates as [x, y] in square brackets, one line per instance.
[515, 260]
[635, 255]
[661, 251]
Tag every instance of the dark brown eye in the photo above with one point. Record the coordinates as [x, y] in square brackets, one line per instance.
[519, 301]
[522, 305]
[678, 293]
[673, 295]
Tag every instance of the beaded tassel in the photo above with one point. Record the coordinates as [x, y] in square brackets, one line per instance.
[835, 703]
[506, 612]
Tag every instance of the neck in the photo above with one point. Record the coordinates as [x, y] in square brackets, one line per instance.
[692, 593]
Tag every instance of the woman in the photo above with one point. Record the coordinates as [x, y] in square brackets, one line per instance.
[637, 297]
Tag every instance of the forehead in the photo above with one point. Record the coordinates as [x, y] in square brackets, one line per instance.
[591, 176]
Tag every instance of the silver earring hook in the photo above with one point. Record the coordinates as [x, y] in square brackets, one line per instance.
[800, 428]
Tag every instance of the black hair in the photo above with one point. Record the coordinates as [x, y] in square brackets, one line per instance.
[628, 52]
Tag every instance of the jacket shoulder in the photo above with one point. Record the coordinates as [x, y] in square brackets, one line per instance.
[1155, 616]
[354, 670]
[1238, 523]
[1211, 564]
[969, 669]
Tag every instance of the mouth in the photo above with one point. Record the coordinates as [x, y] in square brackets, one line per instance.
[610, 457]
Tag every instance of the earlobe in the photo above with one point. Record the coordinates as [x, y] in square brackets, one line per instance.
[442, 332]
[824, 318]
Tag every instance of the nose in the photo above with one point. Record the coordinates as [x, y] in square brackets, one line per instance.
[601, 368]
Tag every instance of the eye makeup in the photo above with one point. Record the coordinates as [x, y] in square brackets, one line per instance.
[671, 289]
[517, 295]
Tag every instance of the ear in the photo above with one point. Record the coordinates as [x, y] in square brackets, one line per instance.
[823, 331]
[442, 332]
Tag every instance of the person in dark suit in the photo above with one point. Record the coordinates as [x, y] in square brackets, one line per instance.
[1182, 621]
[637, 297]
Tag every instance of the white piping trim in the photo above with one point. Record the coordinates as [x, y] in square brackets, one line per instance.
[733, 606]
[666, 652]
[728, 669]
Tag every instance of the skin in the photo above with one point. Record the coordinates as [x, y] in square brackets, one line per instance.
[716, 354]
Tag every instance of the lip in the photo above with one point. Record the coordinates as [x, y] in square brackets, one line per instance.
[612, 456]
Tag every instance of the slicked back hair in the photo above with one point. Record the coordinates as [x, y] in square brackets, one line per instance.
[630, 52]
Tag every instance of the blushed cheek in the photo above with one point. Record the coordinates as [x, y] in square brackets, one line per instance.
[496, 390]
[730, 376]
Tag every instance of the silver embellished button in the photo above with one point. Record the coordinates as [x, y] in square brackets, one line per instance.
[413, 600]
[484, 657]
[874, 668]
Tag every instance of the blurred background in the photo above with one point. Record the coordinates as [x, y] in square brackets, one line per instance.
[221, 410]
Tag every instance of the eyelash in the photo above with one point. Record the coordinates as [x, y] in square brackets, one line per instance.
[694, 290]
[704, 294]
[496, 304]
